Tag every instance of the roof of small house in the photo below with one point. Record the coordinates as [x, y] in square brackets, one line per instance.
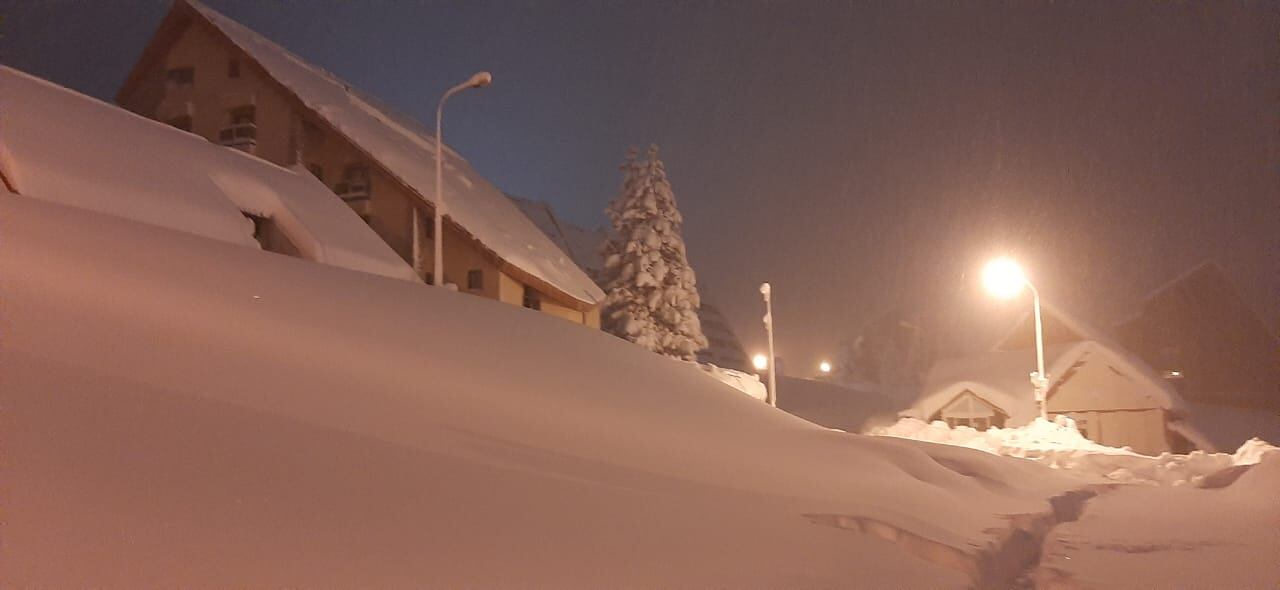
[406, 151]
[1002, 378]
[64, 147]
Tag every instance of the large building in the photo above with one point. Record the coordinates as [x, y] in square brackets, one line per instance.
[206, 74]
[62, 147]
[1199, 332]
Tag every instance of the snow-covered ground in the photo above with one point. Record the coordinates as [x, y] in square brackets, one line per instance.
[1185, 538]
[184, 412]
[1059, 445]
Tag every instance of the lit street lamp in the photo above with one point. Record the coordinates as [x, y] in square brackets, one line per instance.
[824, 367]
[1005, 279]
[760, 362]
[478, 80]
[773, 360]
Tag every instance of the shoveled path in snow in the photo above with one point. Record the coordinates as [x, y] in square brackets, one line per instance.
[1172, 537]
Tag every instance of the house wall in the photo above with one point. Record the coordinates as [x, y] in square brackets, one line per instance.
[287, 135]
[1142, 430]
[1114, 408]
[1098, 385]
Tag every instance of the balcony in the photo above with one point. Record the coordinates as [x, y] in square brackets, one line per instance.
[242, 136]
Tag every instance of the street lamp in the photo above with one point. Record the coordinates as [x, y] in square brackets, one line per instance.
[773, 359]
[760, 362]
[477, 80]
[824, 367]
[1004, 278]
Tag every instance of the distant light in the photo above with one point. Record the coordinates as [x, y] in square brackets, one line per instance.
[760, 362]
[824, 366]
[1175, 374]
[1003, 278]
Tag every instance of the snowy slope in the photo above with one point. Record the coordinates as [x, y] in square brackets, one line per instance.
[62, 146]
[408, 152]
[182, 412]
[1143, 537]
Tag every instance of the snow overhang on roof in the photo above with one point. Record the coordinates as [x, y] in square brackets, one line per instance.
[406, 151]
[1003, 378]
[64, 147]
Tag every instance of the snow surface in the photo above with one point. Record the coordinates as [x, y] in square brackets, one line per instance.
[1186, 538]
[183, 412]
[845, 407]
[1060, 445]
[64, 147]
[407, 151]
[743, 382]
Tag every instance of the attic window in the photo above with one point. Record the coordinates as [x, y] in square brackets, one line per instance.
[354, 188]
[180, 77]
[183, 123]
[531, 298]
[233, 68]
[475, 279]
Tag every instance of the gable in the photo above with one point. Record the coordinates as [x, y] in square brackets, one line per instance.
[1056, 331]
[1097, 383]
[968, 404]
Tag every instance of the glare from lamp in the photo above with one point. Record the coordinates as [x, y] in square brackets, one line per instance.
[1003, 278]
[825, 367]
[760, 362]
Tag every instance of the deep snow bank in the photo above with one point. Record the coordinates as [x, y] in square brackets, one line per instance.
[1148, 537]
[181, 412]
[1060, 445]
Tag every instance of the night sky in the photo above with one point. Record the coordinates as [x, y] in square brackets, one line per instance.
[858, 156]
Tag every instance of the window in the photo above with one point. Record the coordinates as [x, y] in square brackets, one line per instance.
[242, 132]
[429, 278]
[531, 298]
[233, 68]
[183, 122]
[475, 279]
[354, 188]
[181, 77]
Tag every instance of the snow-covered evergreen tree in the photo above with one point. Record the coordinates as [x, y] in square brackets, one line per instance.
[652, 294]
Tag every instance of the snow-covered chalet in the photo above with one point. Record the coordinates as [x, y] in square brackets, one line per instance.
[1114, 397]
[208, 75]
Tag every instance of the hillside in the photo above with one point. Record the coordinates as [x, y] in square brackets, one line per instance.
[183, 412]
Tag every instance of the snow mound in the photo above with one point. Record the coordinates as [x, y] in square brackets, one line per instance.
[1060, 445]
[228, 417]
[744, 382]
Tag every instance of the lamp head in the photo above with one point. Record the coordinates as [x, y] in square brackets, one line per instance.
[760, 362]
[1003, 278]
[764, 288]
[480, 80]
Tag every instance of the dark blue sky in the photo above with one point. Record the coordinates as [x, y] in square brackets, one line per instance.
[857, 155]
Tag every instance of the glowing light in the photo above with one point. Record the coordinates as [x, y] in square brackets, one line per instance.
[760, 362]
[1003, 278]
[824, 366]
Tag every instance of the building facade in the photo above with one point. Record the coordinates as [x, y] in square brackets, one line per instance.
[211, 76]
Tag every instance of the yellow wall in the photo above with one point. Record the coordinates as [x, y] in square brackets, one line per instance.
[284, 134]
[1141, 430]
[1099, 385]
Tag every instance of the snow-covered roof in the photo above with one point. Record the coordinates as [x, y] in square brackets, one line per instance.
[62, 146]
[407, 151]
[1002, 377]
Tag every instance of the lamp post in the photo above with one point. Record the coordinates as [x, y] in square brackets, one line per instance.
[1005, 279]
[773, 359]
[477, 80]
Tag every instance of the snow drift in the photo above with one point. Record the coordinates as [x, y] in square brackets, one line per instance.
[183, 412]
[1059, 444]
